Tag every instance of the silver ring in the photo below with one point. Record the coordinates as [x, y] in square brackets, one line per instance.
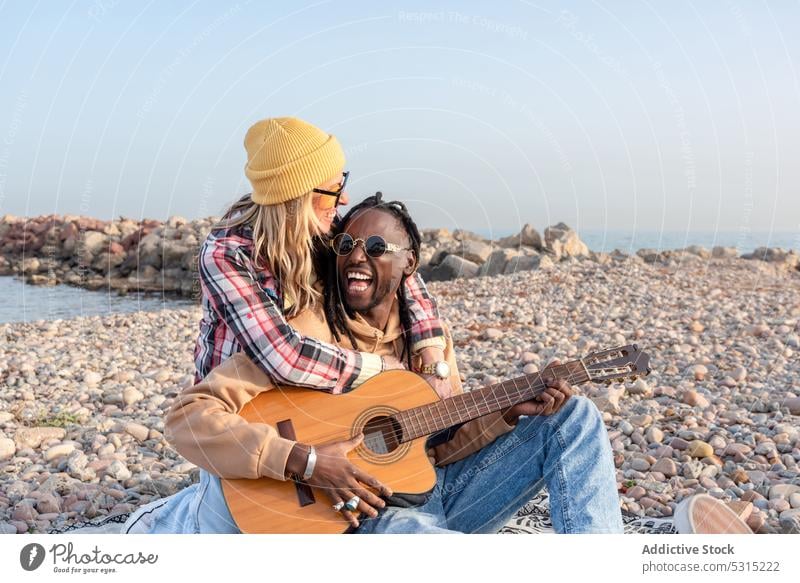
[338, 506]
[352, 504]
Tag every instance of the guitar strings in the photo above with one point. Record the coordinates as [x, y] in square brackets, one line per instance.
[492, 401]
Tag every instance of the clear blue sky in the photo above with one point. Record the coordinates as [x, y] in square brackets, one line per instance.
[651, 115]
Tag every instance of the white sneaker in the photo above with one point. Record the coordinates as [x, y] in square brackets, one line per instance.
[703, 514]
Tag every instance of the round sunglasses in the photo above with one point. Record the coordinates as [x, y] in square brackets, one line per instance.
[374, 245]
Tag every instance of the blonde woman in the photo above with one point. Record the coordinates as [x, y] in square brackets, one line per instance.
[256, 268]
[256, 272]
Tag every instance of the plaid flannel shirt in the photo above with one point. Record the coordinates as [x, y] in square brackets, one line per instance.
[241, 311]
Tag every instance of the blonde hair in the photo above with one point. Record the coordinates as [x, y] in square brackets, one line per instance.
[282, 243]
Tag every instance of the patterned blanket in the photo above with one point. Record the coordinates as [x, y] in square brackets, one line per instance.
[533, 518]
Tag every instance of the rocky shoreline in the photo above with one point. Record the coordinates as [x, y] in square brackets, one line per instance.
[154, 256]
[83, 400]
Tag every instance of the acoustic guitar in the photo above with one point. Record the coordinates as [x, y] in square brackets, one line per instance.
[395, 410]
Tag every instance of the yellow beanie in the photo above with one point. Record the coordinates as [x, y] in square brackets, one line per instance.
[287, 157]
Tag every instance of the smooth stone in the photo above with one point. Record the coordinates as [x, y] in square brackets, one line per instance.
[739, 373]
[62, 449]
[92, 378]
[698, 371]
[106, 450]
[118, 470]
[757, 477]
[131, 395]
[793, 405]
[678, 443]
[708, 483]
[780, 491]
[492, 334]
[636, 492]
[162, 376]
[766, 448]
[640, 464]
[694, 399]
[717, 442]
[7, 448]
[48, 503]
[740, 476]
[607, 400]
[33, 437]
[640, 387]
[24, 511]
[137, 430]
[779, 504]
[530, 368]
[752, 496]
[641, 420]
[718, 493]
[626, 427]
[699, 449]
[666, 466]
[654, 435]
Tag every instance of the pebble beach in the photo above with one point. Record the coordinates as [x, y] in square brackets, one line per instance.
[83, 400]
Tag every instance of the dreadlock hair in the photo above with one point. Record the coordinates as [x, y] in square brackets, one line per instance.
[336, 311]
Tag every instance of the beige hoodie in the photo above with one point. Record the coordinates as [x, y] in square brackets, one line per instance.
[204, 426]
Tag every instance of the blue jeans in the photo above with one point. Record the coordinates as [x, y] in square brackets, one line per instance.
[569, 452]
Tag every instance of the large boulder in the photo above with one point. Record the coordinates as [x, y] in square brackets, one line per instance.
[789, 259]
[92, 243]
[453, 267]
[652, 255]
[563, 242]
[527, 237]
[173, 253]
[724, 252]
[464, 235]
[699, 251]
[529, 262]
[496, 263]
[475, 251]
[436, 237]
[150, 250]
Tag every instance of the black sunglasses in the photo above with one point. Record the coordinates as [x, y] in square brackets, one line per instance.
[337, 193]
[374, 246]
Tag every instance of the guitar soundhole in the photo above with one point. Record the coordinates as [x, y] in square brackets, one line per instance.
[382, 435]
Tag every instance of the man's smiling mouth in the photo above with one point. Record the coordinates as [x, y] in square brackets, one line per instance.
[358, 280]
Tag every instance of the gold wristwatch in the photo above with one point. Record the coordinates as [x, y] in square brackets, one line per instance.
[439, 369]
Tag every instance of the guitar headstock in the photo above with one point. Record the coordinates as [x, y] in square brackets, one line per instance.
[617, 364]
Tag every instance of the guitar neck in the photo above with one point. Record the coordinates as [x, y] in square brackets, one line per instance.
[421, 421]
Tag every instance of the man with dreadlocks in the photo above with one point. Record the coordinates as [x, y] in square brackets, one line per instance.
[486, 468]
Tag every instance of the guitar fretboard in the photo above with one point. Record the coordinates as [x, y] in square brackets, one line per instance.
[421, 421]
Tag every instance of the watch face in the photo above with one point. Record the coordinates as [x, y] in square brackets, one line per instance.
[442, 370]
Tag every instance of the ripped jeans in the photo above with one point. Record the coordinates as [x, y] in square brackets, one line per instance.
[568, 452]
